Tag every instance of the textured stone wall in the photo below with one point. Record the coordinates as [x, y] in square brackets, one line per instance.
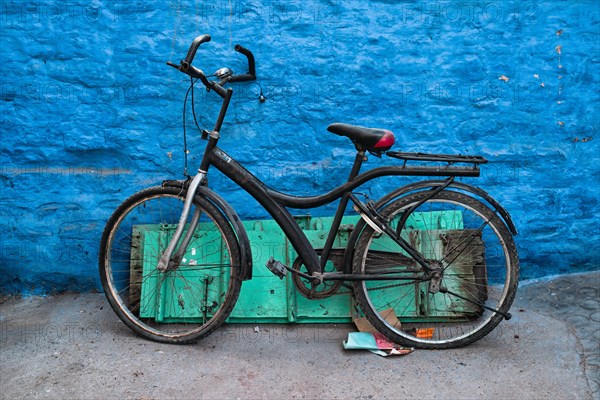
[90, 113]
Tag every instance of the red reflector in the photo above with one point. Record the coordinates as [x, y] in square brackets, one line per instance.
[387, 141]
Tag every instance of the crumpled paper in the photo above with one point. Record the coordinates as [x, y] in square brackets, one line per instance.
[369, 339]
[375, 343]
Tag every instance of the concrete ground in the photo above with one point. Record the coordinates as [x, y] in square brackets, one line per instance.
[73, 346]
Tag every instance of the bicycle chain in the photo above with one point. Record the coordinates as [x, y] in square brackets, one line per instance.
[305, 291]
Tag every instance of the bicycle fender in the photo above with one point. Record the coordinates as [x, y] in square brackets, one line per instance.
[233, 219]
[238, 228]
[349, 252]
[457, 185]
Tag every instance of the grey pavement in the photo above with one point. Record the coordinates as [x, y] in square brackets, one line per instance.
[73, 346]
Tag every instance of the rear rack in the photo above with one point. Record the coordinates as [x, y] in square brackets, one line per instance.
[448, 161]
[448, 158]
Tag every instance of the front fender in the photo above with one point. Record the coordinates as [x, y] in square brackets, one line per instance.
[231, 216]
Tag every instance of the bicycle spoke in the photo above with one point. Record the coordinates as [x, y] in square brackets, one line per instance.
[186, 301]
[461, 239]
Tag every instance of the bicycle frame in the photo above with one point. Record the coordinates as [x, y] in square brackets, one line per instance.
[275, 202]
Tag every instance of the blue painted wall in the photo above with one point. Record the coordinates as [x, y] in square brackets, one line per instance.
[90, 113]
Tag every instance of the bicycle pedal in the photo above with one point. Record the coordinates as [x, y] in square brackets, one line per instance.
[276, 268]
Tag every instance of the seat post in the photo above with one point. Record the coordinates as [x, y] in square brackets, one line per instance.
[358, 160]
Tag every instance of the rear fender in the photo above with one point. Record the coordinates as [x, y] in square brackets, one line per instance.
[419, 186]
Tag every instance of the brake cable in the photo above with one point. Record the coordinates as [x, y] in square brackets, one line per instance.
[193, 81]
[185, 149]
[194, 108]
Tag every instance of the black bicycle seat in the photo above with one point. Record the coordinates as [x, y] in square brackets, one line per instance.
[372, 139]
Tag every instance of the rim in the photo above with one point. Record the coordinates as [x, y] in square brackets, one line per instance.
[118, 297]
[476, 327]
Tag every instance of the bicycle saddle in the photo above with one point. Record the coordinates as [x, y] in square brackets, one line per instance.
[372, 139]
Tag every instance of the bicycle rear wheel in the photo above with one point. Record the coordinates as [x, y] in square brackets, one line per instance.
[183, 303]
[477, 258]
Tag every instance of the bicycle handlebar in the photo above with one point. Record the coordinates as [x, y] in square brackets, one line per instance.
[186, 66]
[251, 74]
[194, 47]
[197, 73]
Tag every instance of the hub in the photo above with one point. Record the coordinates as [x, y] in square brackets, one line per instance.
[436, 275]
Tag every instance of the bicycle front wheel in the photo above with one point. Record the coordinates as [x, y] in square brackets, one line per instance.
[476, 258]
[185, 302]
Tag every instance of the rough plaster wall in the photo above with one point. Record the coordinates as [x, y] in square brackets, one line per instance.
[90, 113]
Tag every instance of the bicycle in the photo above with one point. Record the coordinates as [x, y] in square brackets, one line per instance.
[432, 264]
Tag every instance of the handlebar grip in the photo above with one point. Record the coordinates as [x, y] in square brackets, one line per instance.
[194, 47]
[241, 49]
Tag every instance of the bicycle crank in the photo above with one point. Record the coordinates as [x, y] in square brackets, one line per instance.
[314, 288]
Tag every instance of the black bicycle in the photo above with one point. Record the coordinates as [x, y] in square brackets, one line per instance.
[432, 264]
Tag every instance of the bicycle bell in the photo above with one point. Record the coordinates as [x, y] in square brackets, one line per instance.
[223, 73]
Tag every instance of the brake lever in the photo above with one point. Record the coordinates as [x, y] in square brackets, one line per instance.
[170, 64]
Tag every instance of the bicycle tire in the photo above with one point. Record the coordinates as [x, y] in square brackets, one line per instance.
[482, 267]
[180, 305]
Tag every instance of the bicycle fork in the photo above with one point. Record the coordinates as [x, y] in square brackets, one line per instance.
[166, 261]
